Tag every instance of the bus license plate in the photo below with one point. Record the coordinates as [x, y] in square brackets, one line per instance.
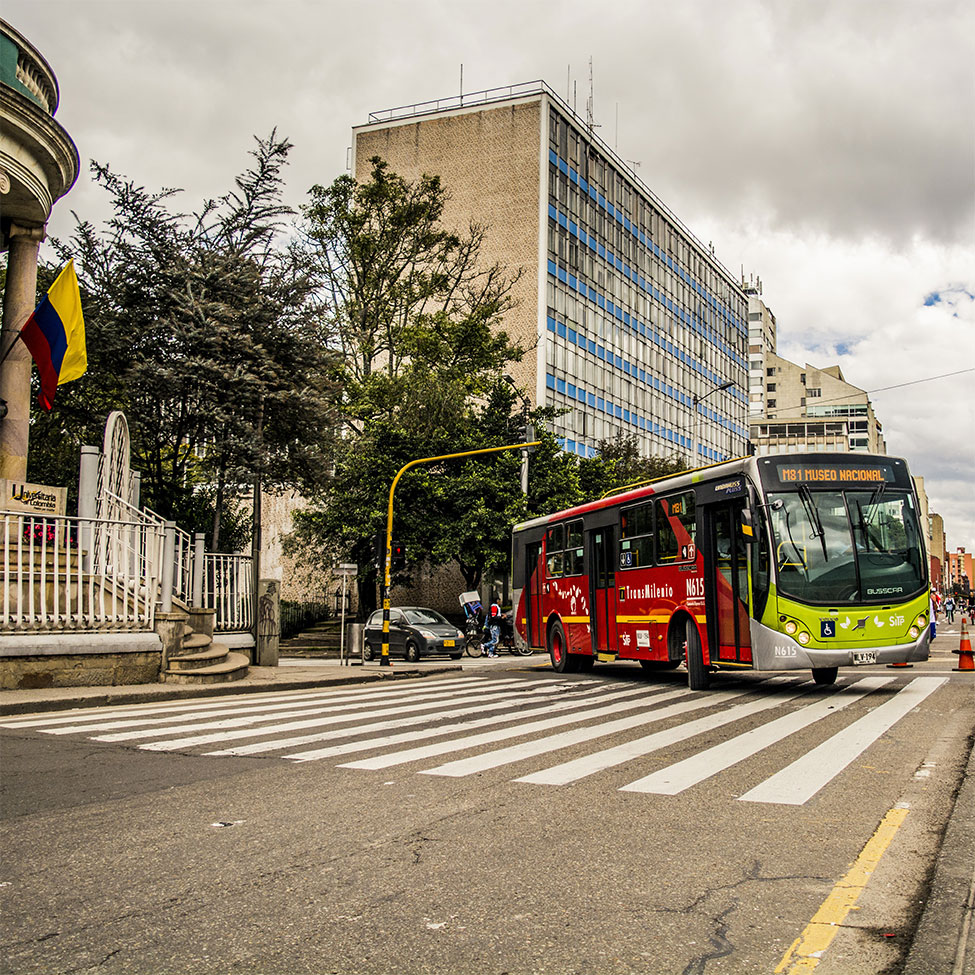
[448, 643]
[864, 656]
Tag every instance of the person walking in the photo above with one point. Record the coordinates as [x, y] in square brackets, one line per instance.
[950, 609]
[493, 627]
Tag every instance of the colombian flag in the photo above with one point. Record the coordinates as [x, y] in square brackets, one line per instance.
[55, 335]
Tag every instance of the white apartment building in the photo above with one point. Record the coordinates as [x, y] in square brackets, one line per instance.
[807, 408]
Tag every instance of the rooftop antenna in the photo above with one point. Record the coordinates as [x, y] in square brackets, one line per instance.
[589, 102]
[462, 84]
[568, 82]
[573, 96]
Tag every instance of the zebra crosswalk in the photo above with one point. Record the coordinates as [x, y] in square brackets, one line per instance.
[467, 725]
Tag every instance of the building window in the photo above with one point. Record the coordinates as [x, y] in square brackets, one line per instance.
[813, 393]
[771, 387]
[770, 371]
[802, 378]
[771, 404]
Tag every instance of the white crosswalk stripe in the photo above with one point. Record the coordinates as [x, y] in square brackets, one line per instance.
[505, 721]
[490, 737]
[598, 762]
[438, 731]
[173, 710]
[504, 696]
[682, 775]
[801, 780]
[337, 714]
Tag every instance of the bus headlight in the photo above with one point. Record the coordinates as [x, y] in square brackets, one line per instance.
[914, 631]
[791, 627]
[803, 638]
[921, 621]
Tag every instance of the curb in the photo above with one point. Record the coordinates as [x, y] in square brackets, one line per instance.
[945, 937]
[169, 692]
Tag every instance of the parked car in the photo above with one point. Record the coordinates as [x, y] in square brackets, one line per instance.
[414, 632]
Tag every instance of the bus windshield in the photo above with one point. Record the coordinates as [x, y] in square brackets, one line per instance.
[846, 546]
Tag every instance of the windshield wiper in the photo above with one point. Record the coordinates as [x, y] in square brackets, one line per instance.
[812, 513]
[875, 496]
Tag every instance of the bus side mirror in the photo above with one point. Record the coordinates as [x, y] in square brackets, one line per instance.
[747, 526]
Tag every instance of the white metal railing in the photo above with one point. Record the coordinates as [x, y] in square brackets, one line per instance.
[182, 559]
[65, 574]
[228, 587]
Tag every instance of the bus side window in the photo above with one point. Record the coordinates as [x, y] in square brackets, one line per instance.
[676, 528]
[636, 536]
[573, 548]
[554, 551]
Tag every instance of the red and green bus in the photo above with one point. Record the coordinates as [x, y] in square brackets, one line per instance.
[771, 563]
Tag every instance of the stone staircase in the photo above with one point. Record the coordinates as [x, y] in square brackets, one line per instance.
[320, 640]
[199, 659]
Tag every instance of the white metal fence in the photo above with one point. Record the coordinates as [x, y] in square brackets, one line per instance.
[64, 574]
[228, 586]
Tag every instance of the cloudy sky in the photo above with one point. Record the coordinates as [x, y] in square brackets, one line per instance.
[825, 146]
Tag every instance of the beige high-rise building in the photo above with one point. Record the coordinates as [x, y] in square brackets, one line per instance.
[807, 408]
[761, 344]
[631, 323]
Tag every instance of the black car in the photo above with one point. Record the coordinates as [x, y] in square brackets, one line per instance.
[414, 632]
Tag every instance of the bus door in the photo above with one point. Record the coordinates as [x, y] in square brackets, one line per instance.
[726, 585]
[602, 589]
[534, 625]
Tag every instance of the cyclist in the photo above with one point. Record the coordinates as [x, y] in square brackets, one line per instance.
[493, 625]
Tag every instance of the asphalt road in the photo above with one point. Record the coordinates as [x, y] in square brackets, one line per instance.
[143, 853]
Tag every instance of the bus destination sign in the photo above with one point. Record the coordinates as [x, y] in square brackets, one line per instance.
[833, 474]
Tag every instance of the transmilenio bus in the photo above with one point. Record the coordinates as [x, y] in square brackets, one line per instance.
[779, 562]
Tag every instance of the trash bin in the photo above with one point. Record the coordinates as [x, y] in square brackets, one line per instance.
[353, 642]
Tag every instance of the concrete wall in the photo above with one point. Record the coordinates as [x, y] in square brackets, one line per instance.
[79, 660]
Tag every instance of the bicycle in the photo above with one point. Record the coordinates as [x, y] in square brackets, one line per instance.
[476, 632]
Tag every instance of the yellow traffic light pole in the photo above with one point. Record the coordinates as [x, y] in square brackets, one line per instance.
[384, 659]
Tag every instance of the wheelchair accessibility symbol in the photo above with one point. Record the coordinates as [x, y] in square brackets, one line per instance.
[827, 629]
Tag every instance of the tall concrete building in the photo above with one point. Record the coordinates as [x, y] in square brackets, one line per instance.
[761, 345]
[960, 571]
[807, 408]
[631, 323]
[939, 545]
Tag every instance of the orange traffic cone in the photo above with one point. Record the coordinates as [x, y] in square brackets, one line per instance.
[964, 651]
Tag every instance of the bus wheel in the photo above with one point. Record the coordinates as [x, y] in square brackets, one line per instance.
[557, 650]
[697, 674]
[824, 675]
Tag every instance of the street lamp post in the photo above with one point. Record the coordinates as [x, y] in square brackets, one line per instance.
[727, 384]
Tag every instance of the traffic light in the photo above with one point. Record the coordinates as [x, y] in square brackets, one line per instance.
[398, 556]
[527, 433]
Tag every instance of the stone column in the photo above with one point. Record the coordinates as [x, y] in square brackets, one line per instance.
[18, 302]
[268, 623]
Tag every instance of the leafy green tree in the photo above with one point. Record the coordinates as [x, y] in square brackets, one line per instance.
[206, 330]
[417, 320]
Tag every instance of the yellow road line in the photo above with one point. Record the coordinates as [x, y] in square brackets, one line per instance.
[807, 950]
